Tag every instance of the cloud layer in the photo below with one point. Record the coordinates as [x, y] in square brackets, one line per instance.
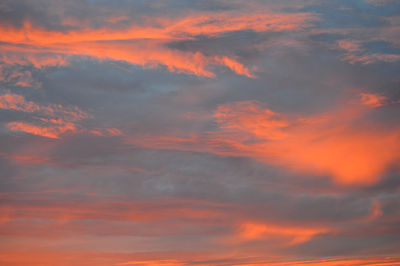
[207, 132]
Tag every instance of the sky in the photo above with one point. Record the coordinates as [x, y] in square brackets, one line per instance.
[200, 132]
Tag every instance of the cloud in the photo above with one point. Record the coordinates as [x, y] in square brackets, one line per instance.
[338, 143]
[251, 118]
[355, 53]
[55, 119]
[17, 102]
[51, 121]
[252, 231]
[330, 144]
[213, 132]
[106, 132]
[129, 45]
[373, 100]
[44, 131]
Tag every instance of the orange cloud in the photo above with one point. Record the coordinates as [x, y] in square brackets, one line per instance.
[50, 121]
[384, 261]
[373, 100]
[30, 159]
[162, 28]
[354, 53]
[336, 144]
[54, 220]
[234, 66]
[294, 235]
[253, 119]
[42, 255]
[108, 43]
[21, 56]
[331, 144]
[349, 46]
[119, 209]
[379, 261]
[148, 54]
[154, 263]
[18, 103]
[367, 59]
[106, 132]
[215, 24]
[49, 131]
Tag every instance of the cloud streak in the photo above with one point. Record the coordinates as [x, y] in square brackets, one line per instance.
[128, 44]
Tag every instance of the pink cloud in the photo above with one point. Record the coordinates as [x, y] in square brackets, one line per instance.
[105, 43]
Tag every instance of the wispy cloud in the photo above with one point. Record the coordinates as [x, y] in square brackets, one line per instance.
[129, 45]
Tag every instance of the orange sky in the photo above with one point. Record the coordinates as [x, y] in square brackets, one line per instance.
[199, 132]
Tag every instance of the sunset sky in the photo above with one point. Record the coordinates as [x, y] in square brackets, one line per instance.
[200, 132]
